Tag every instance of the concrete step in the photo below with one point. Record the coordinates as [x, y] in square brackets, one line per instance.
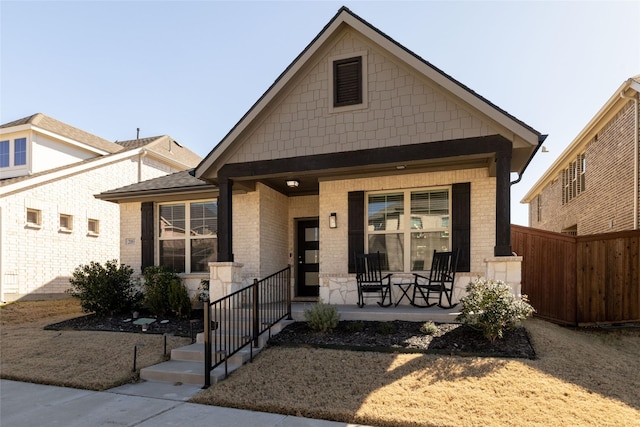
[181, 372]
[264, 337]
[195, 353]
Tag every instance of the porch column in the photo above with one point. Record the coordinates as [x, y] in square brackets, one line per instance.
[503, 204]
[225, 223]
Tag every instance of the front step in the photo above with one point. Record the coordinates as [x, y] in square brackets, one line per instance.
[187, 363]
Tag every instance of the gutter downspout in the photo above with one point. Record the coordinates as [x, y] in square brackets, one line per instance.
[635, 157]
[541, 139]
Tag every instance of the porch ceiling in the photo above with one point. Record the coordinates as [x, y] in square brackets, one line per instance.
[309, 181]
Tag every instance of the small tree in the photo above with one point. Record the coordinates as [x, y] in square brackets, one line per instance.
[165, 293]
[491, 307]
[105, 290]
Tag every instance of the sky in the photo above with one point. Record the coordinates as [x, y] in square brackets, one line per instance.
[192, 69]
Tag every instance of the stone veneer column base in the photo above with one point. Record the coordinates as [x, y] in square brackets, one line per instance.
[224, 278]
[506, 268]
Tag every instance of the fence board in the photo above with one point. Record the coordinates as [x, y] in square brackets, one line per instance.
[580, 280]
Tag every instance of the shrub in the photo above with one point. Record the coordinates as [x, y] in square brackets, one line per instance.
[429, 328]
[322, 317]
[164, 293]
[386, 328]
[491, 307]
[105, 290]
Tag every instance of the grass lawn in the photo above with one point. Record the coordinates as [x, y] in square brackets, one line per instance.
[580, 377]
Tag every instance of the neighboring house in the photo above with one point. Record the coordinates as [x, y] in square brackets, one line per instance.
[358, 146]
[50, 223]
[593, 186]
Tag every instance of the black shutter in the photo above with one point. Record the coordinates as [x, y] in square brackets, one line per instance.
[147, 234]
[347, 82]
[356, 227]
[461, 223]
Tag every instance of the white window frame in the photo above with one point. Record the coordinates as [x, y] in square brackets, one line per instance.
[11, 143]
[406, 229]
[96, 230]
[187, 236]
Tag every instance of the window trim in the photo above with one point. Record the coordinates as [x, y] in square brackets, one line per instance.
[90, 232]
[574, 178]
[157, 239]
[34, 225]
[11, 154]
[69, 227]
[363, 82]
[408, 231]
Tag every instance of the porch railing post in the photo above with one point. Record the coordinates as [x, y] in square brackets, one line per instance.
[256, 313]
[207, 343]
[288, 292]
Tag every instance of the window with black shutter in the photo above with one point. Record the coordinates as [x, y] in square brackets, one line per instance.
[347, 82]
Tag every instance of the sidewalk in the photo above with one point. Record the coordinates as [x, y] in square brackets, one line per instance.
[26, 405]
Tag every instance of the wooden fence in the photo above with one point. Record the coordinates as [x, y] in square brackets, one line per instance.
[580, 280]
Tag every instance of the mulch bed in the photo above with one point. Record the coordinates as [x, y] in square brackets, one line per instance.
[395, 336]
[187, 327]
[401, 336]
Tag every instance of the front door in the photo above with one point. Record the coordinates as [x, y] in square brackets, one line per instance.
[307, 281]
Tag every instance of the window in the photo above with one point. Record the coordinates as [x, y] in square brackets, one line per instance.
[425, 229]
[187, 238]
[93, 227]
[347, 82]
[4, 154]
[540, 208]
[20, 152]
[66, 223]
[34, 217]
[573, 179]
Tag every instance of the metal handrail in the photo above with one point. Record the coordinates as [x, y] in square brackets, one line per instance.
[237, 320]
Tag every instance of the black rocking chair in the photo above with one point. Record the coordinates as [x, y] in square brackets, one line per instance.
[370, 279]
[440, 281]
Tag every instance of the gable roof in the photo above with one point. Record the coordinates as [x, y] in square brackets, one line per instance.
[615, 103]
[165, 147]
[527, 137]
[52, 125]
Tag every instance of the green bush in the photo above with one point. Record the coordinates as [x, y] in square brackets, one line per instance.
[429, 328]
[164, 293]
[105, 290]
[322, 317]
[491, 307]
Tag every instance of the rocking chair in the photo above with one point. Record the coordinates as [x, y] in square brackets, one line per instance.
[370, 279]
[440, 281]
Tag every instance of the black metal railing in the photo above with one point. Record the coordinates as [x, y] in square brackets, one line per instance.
[238, 319]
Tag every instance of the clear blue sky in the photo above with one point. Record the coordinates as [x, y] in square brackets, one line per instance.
[191, 69]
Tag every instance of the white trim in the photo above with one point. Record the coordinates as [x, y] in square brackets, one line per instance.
[70, 170]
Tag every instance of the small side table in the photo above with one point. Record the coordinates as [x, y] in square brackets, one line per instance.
[404, 286]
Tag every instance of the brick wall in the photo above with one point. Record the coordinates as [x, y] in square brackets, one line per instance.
[41, 260]
[607, 203]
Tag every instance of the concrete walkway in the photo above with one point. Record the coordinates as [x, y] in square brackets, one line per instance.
[27, 405]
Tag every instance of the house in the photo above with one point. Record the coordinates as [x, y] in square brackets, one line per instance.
[593, 185]
[50, 223]
[359, 146]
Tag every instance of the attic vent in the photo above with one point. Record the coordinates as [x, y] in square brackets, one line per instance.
[347, 84]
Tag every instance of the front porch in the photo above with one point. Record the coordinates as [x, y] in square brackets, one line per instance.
[373, 312]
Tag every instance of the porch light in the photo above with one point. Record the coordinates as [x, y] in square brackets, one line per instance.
[293, 183]
[333, 220]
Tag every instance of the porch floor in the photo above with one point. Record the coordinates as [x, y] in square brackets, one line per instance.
[373, 312]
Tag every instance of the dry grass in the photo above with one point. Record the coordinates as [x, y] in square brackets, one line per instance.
[580, 378]
[88, 360]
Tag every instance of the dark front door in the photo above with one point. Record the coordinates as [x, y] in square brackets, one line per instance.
[307, 282]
